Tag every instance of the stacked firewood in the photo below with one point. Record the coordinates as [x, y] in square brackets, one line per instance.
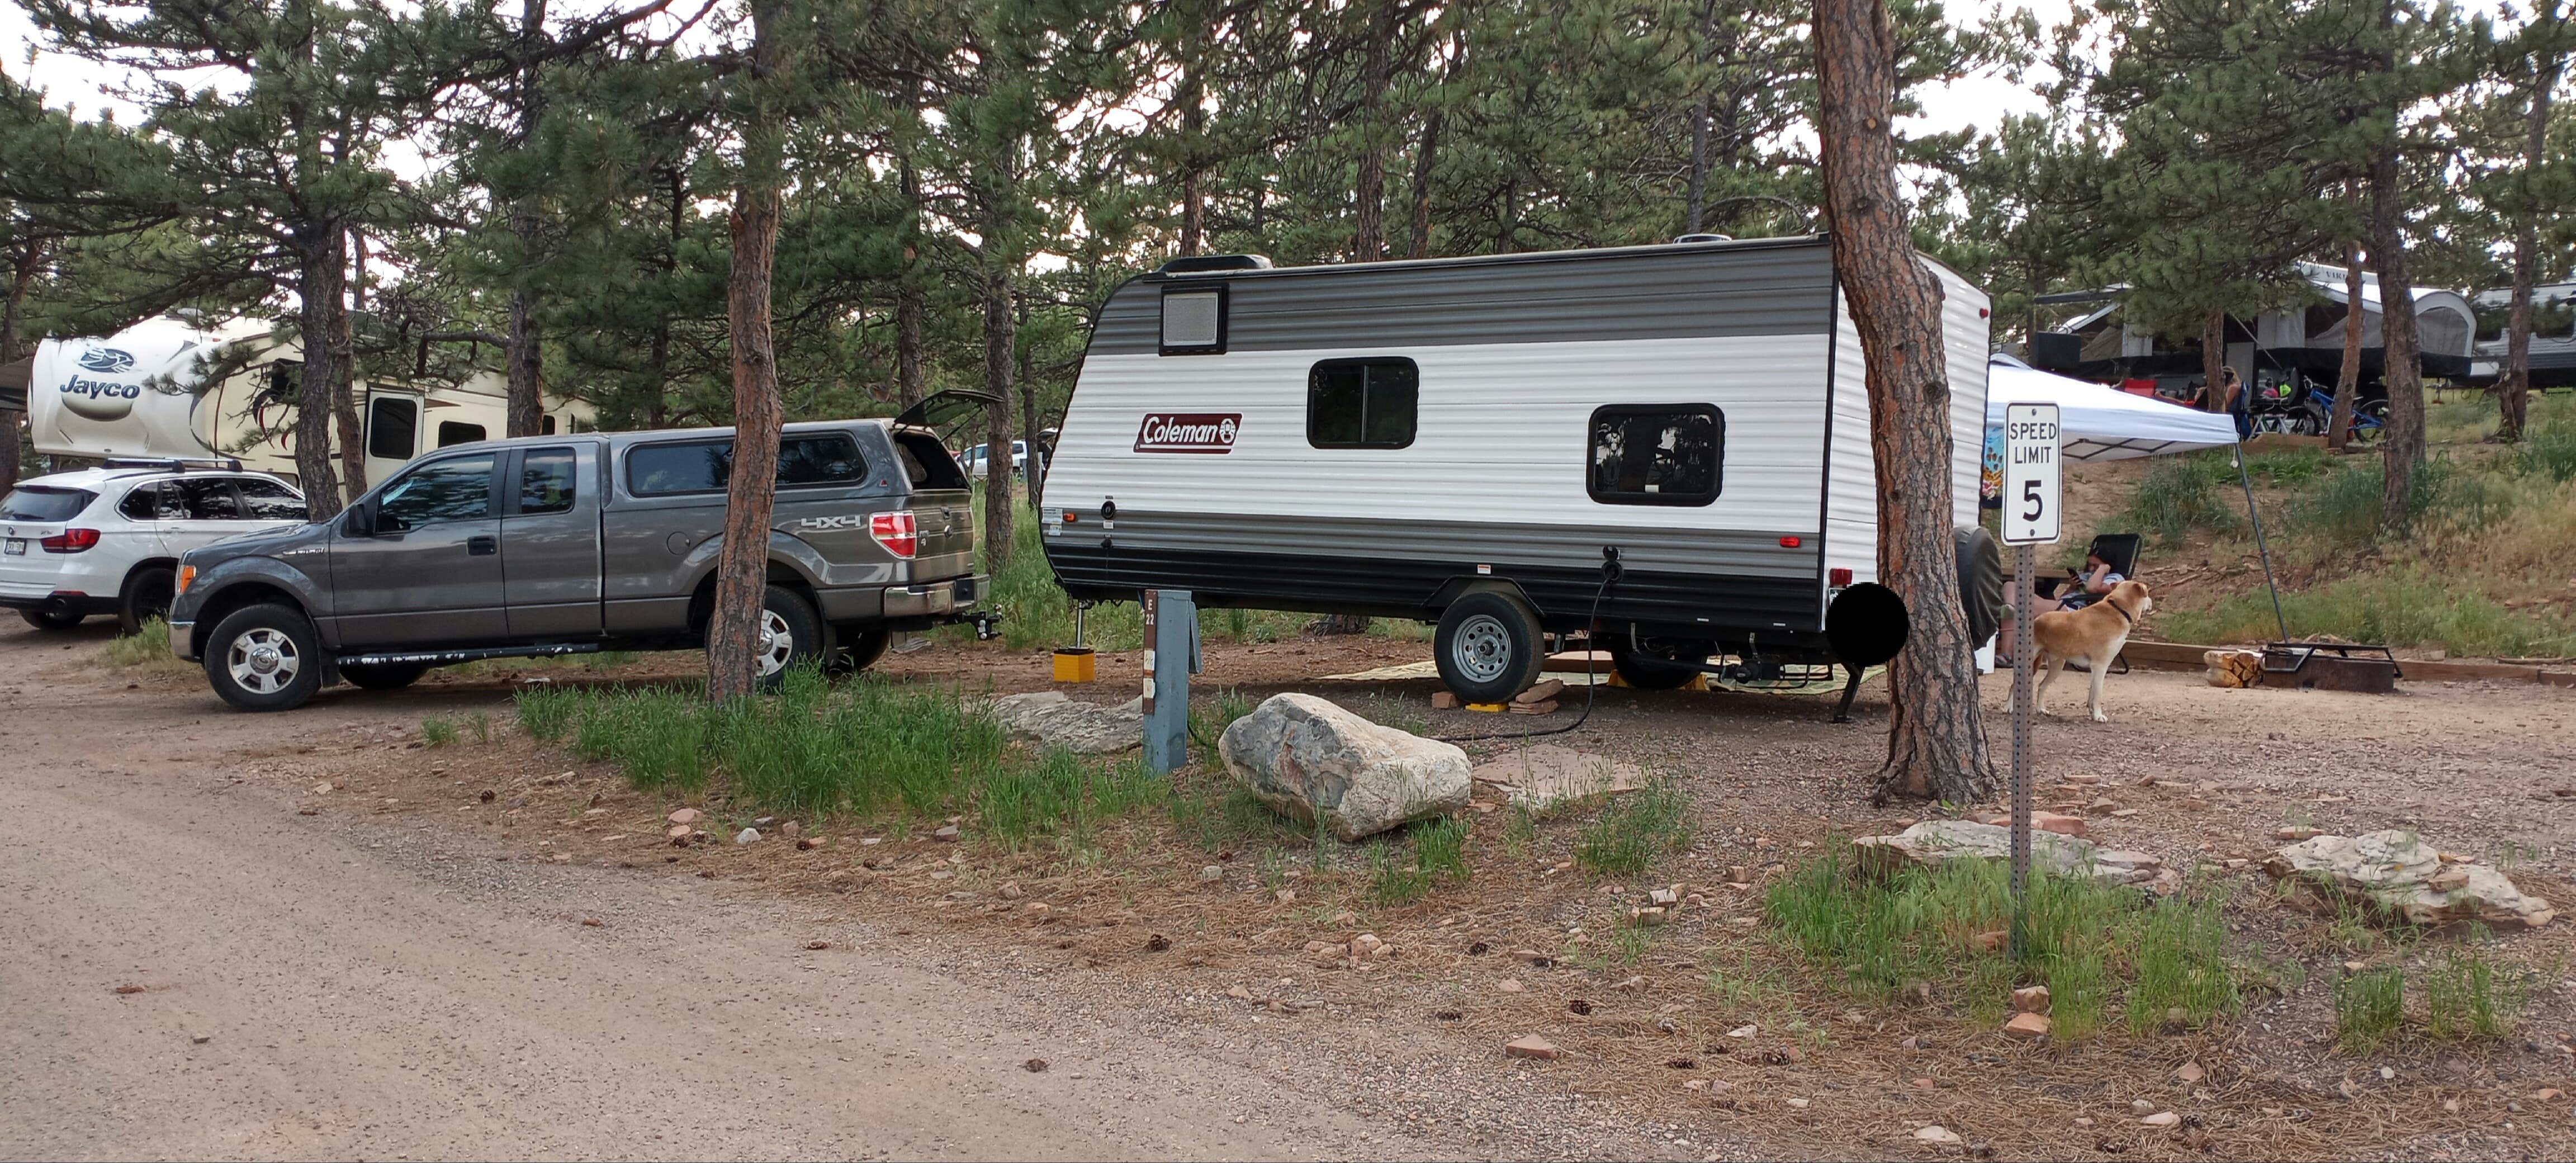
[2233, 668]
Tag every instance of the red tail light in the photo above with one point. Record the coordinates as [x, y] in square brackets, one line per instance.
[1839, 576]
[70, 541]
[897, 532]
[1791, 542]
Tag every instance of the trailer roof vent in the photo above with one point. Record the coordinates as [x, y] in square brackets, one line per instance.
[1705, 238]
[1193, 264]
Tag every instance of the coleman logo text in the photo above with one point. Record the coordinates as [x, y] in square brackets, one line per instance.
[1207, 432]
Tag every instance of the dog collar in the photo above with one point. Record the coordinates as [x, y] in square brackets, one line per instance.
[2133, 618]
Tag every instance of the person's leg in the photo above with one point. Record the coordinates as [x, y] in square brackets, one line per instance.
[2004, 634]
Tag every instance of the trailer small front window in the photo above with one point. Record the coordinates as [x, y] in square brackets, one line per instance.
[1194, 321]
[1362, 403]
[1657, 454]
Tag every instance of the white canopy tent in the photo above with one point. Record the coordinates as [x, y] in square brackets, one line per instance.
[2100, 422]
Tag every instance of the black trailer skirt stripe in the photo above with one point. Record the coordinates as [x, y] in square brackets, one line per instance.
[1105, 567]
[1742, 552]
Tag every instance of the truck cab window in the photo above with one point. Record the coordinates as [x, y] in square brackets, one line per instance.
[1362, 403]
[458, 489]
[546, 481]
[1657, 454]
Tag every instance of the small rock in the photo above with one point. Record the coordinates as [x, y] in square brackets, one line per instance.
[1648, 917]
[1936, 1134]
[2123, 813]
[1238, 993]
[1034, 1065]
[945, 832]
[1211, 873]
[818, 944]
[2031, 999]
[590, 922]
[1991, 942]
[1532, 1046]
[2190, 1072]
[1744, 1031]
[202, 1039]
[1925, 1084]
[2032, 1027]
[678, 832]
[1797, 1103]
[1010, 890]
[2162, 1119]
[1507, 985]
[747, 836]
[1632, 985]
[683, 816]
[1366, 945]
[1285, 896]
[790, 829]
[2548, 1094]
[2300, 832]
[1696, 1084]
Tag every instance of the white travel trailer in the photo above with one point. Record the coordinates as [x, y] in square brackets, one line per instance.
[141, 393]
[1672, 440]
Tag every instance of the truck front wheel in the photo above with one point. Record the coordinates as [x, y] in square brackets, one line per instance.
[791, 635]
[264, 658]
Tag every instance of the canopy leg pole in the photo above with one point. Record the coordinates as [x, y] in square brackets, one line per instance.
[2245, 476]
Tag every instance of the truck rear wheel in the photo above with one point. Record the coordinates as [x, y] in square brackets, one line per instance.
[862, 645]
[791, 635]
[264, 658]
[1488, 647]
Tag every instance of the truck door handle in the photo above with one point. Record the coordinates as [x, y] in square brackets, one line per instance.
[482, 546]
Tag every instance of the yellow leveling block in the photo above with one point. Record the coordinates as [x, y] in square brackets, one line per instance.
[1076, 664]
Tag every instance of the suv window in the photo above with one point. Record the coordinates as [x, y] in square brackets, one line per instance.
[1657, 454]
[42, 503]
[143, 504]
[457, 489]
[704, 466]
[208, 499]
[546, 481]
[270, 501]
[1362, 403]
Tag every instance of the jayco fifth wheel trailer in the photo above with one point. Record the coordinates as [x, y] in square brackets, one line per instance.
[1671, 441]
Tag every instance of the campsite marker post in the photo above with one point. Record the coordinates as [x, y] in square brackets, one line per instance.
[2030, 518]
[1171, 656]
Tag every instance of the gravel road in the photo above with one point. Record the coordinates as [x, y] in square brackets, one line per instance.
[319, 989]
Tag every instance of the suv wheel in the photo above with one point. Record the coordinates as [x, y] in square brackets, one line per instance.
[791, 634]
[1488, 647]
[147, 596]
[50, 619]
[390, 676]
[264, 658]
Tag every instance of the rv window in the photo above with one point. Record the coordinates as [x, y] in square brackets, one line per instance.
[1657, 454]
[546, 481]
[545, 425]
[703, 466]
[269, 500]
[1361, 403]
[453, 432]
[1194, 320]
[393, 428]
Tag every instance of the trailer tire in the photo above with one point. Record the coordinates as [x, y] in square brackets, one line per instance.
[1647, 672]
[1488, 647]
[388, 676]
[264, 657]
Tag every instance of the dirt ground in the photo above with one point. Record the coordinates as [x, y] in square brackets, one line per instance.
[403, 963]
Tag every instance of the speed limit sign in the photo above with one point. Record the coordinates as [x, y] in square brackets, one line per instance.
[2030, 474]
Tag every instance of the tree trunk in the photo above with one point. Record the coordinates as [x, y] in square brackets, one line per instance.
[2213, 360]
[1936, 744]
[2513, 389]
[1368, 243]
[2348, 378]
[1424, 159]
[1021, 377]
[319, 292]
[1193, 129]
[2401, 366]
[344, 373]
[1001, 336]
[909, 345]
[526, 358]
[742, 565]
[1694, 217]
[26, 263]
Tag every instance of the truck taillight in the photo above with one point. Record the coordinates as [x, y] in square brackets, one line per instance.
[70, 541]
[897, 532]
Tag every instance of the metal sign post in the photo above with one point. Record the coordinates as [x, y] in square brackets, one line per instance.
[1171, 656]
[2030, 518]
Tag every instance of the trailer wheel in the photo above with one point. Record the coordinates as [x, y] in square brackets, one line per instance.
[1488, 647]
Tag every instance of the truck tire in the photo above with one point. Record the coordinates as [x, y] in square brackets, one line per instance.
[51, 620]
[1488, 647]
[791, 635]
[390, 676]
[264, 658]
[147, 596]
[865, 645]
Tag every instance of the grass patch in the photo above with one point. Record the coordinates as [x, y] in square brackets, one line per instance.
[437, 732]
[2179, 495]
[2370, 1007]
[2468, 995]
[149, 649]
[2090, 943]
[544, 712]
[2403, 607]
[1634, 830]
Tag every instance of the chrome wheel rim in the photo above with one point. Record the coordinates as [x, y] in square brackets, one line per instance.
[1482, 648]
[263, 661]
[777, 644]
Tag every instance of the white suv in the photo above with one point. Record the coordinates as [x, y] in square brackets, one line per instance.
[107, 540]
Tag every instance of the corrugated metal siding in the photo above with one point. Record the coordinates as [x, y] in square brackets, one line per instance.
[1644, 293]
[1964, 341]
[1501, 436]
[1851, 532]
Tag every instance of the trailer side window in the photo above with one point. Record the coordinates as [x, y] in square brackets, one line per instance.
[1194, 320]
[1657, 454]
[393, 428]
[1362, 403]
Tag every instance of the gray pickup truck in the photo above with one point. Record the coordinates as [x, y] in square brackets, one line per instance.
[570, 544]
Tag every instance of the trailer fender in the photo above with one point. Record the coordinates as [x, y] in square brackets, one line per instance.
[1461, 586]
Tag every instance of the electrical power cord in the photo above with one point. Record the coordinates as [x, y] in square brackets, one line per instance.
[1610, 570]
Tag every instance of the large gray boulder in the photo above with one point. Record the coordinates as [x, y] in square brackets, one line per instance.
[1312, 760]
[1935, 842]
[1050, 719]
[2395, 873]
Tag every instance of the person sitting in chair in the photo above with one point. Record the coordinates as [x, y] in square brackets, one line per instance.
[2088, 586]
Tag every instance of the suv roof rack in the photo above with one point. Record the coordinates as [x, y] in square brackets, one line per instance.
[174, 463]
